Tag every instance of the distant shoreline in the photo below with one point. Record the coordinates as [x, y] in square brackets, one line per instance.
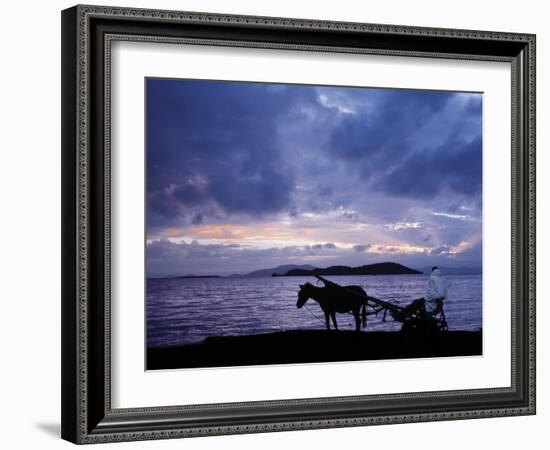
[198, 276]
[313, 346]
[244, 277]
[336, 274]
[386, 268]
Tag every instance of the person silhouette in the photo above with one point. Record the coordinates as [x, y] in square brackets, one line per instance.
[436, 292]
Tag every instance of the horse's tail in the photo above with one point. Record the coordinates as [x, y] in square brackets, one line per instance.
[364, 314]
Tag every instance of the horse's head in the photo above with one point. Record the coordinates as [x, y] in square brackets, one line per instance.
[303, 294]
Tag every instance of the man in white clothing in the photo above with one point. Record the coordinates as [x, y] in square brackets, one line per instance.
[435, 294]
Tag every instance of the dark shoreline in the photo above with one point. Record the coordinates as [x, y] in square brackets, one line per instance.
[311, 346]
[385, 268]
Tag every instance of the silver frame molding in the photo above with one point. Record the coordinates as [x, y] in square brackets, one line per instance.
[87, 35]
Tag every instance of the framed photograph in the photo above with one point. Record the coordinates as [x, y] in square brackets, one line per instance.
[278, 224]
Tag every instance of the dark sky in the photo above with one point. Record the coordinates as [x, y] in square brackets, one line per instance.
[242, 176]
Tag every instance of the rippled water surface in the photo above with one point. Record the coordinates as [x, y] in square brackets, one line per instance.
[182, 311]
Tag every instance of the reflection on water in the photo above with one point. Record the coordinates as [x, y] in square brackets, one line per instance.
[183, 310]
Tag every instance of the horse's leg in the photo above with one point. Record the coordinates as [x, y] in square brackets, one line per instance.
[357, 320]
[327, 320]
[333, 315]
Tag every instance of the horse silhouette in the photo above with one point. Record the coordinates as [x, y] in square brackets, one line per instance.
[333, 300]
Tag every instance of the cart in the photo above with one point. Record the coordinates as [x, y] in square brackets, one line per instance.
[433, 321]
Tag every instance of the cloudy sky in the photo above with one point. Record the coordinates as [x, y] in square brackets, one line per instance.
[244, 176]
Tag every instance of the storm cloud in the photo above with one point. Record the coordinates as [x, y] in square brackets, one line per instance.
[324, 169]
[214, 148]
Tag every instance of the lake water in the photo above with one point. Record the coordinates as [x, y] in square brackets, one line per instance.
[183, 311]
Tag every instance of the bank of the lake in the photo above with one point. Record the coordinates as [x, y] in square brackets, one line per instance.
[313, 346]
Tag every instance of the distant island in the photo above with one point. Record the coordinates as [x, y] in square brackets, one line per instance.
[198, 276]
[255, 274]
[279, 270]
[386, 268]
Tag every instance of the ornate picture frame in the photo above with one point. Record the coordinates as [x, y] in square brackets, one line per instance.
[87, 413]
